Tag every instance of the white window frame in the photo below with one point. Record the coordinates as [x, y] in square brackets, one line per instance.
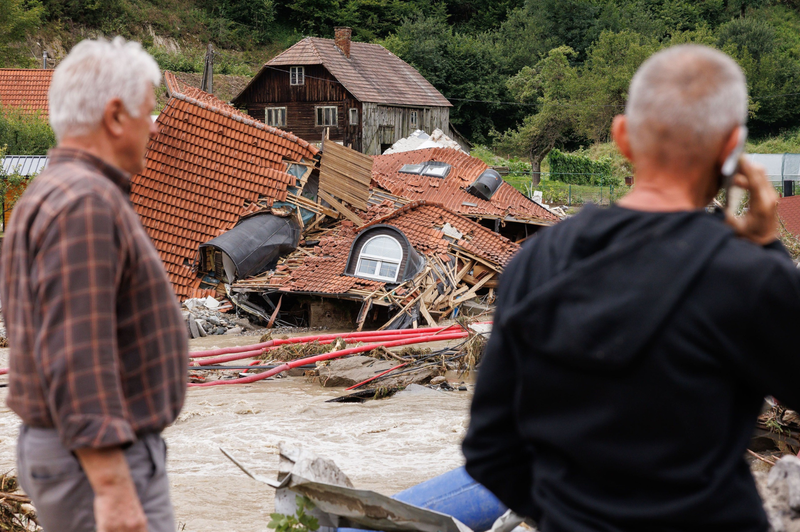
[414, 118]
[327, 112]
[381, 260]
[273, 110]
[352, 117]
[297, 75]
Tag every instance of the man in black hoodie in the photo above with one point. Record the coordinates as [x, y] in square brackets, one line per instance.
[633, 345]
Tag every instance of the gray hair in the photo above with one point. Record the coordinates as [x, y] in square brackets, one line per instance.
[95, 72]
[685, 100]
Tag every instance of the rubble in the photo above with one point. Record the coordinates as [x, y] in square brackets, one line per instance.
[16, 512]
[419, 140]
[353, 370]
[204, 318]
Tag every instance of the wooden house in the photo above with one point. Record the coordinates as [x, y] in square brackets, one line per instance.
[367, 97]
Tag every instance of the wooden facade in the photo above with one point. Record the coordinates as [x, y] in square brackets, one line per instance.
[384, 125]
[320, 88]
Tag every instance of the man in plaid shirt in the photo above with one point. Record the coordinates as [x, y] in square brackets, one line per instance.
[98, 344]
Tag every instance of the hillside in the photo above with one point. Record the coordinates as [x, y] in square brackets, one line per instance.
[524, 76]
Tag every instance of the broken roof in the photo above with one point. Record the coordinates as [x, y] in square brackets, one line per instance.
[371, 73]
[26, 89]
[422, 223]
[506, 202]
[205, 166]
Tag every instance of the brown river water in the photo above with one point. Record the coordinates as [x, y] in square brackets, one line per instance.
[386, 445]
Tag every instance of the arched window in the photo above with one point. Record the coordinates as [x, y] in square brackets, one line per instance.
[380, 259]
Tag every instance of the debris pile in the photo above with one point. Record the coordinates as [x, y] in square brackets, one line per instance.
[16, 512]
[204, 317]
[419, 140]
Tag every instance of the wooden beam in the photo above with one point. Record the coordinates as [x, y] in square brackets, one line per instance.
[472, 291]
[347, 213]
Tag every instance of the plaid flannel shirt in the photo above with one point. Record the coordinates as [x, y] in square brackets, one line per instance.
[98, 343]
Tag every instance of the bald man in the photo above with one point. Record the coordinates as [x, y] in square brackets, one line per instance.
[633, 345]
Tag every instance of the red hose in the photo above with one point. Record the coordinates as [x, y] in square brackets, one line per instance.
[3, 371]
[306, 339]
[333, 354]
[247, 354]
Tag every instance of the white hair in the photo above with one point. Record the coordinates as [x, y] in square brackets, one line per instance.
[687, 97]
[95, 72]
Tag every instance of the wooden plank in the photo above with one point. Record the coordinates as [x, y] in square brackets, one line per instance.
[347, 213]
[346, 174]
[472, 291]
[425, 314]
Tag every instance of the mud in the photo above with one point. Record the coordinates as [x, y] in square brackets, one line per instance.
[386, 445]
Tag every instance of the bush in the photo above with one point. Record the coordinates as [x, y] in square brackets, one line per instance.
[580, 170]
[25, 134]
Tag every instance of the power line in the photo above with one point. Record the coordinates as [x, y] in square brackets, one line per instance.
[525, 104]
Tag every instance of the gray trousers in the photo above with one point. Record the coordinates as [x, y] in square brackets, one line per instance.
[60, 491]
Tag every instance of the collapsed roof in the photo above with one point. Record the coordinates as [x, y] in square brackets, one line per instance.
[507, 203]
[206, 167]
[452, 249]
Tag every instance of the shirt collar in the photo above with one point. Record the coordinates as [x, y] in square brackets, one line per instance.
[67, 155]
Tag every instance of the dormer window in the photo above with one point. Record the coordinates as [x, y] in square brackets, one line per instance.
[380, 259]
[297, 75]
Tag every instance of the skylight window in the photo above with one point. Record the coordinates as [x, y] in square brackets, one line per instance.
[430, 169]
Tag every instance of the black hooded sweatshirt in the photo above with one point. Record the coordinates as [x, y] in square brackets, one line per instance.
[630, 356]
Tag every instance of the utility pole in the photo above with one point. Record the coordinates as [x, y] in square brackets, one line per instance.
[44, 60]
[207, 84]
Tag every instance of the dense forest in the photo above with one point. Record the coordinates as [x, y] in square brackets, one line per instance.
[523, 76]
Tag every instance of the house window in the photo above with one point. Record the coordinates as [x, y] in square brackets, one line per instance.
[297, 75]
[353, 112]
[380, 259]
[413, 119]
[275, 116]
[327, 116]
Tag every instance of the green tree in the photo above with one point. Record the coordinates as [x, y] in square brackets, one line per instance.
[549, 86]
[18, 19]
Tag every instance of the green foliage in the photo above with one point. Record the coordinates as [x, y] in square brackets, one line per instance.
[25, 134]
[579, 169]
[18, 19]
[300, 522]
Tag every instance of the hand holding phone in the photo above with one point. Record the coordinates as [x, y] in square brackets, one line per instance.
[733, 194]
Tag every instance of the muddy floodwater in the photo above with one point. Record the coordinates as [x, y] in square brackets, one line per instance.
[386, 445]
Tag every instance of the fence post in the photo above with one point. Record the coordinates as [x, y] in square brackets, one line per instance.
[601, 195]
[611, 194]
[569, 196]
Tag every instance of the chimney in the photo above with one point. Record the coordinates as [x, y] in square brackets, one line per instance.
[343, 39]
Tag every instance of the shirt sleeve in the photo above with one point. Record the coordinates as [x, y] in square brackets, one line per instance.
[76, 271]
[496, 456]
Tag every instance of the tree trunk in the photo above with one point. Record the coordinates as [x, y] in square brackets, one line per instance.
[536, 165]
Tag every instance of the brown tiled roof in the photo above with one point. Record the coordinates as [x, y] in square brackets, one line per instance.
[506, 202]
[371, 73]
[25, 89]
[420, 221]
[789, 211]
[205, 164]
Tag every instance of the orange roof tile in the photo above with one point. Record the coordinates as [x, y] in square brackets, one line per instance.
[371, 73]
[420, 221]
[25, 89]
[449, 192]
[205, 163]
[789, 211]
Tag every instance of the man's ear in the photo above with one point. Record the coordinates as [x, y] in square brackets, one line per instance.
[729, 145]
[114, 117]
[619, 132]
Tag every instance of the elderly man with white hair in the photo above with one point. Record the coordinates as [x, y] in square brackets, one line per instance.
[633, 345]
[98, 345]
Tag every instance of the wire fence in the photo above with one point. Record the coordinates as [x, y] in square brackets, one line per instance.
[556, 192]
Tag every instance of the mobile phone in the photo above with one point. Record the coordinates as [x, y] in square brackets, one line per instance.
[733, 195]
